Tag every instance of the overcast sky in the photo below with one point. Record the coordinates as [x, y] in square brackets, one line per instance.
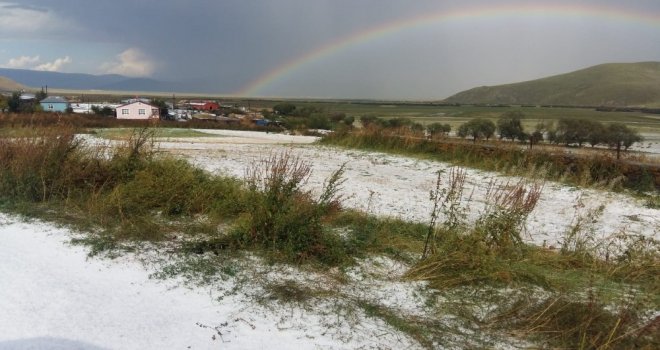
[225, 46]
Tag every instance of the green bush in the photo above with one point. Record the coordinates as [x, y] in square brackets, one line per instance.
[285, 219]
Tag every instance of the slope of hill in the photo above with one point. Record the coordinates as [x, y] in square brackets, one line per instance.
[78, 81]
[7, 84]
[611, 84]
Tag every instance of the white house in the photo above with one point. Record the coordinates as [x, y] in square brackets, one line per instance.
[137, 110]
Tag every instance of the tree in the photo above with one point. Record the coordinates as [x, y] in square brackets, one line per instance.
[509, 126]
[284, 108]
[535, 138]
[436, 129]
[618, 136]
[368, 120]
[104, 111]
[337, 117]
[574, 131]
[319, 121]
[348, 120]
[162, 106]
[40, 95]
[477, 128]
[14, 102]
[597, 134]
[3, 104]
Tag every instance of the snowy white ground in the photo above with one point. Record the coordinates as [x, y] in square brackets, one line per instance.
[398, 186]
[53, 297]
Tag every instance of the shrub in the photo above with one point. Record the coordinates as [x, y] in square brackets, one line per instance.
[284, 218]
[45, 164]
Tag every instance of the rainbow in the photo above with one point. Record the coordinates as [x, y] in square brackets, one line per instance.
[574, 11]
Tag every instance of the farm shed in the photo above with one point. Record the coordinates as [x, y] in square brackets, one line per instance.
[137, 110]
[54, 104]
[204, 106]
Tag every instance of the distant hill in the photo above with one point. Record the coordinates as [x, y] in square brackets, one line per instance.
[611, 84]
[7, 84]
[78, 81]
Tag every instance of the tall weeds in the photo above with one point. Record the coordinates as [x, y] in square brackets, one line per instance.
[591, 170]
[446, 201]
[284, 217]
[47, 164]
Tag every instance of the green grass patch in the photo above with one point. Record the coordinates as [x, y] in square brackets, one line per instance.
[126, 133]
[417, 330]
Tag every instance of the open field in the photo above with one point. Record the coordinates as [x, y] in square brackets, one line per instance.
[423, 112]
[395, 186]
[157, 295]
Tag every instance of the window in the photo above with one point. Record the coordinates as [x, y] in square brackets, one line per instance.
[154, 111]
[141, 112]
[124, 111]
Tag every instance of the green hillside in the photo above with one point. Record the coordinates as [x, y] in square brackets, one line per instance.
[611, 84]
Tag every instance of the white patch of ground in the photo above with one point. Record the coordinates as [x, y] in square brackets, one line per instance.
[54, 297]
[396, 186]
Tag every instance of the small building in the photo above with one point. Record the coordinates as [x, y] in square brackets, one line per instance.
[54, 104]
[137, 110]
[208, 106]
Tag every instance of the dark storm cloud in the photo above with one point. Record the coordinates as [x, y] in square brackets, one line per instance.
[226, 44]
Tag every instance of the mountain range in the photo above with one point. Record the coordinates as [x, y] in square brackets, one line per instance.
[610, 84]
[79, 81]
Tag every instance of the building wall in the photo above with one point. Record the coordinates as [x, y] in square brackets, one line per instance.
[54, 106]
[137, 110]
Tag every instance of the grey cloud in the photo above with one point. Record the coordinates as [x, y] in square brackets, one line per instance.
[223, 45]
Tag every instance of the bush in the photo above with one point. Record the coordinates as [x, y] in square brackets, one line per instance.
[43, 165]
[285, 219]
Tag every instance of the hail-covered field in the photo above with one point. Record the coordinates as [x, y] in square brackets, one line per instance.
[54, 297]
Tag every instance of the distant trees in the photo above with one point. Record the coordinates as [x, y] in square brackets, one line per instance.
[40, 95]
[284, 108]
[162, 106]
[509, 126]
[438, 129]
[14, 102]
[368, 120]
[4, 106]
[618, 135]
[103, 111]
[477, 128]
[392, 123]
[615, 136]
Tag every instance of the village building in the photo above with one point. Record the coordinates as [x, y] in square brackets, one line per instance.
[137, 110]
[208, 106]
[54, 104]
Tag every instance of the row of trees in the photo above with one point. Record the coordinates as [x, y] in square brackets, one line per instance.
[14, 104]
[568, 132]
[509, 126]
[308, 117]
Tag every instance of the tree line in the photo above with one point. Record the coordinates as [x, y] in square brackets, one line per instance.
[568, 131]
[509, 126]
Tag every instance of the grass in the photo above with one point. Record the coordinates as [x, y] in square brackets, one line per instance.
[417, 330]
[582, 280]
[589, 169]
[126, 133]
[429, 112]
[612, 84]
[130, 195]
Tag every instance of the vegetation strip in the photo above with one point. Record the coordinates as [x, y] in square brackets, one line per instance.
[131, 194]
